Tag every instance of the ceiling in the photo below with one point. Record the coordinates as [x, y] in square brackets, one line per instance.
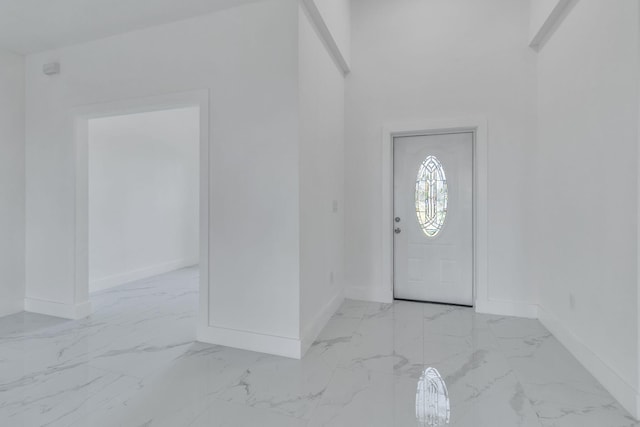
[28, 26]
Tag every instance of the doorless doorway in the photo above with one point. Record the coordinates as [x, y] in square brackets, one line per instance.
[143, 195]
[198, 100]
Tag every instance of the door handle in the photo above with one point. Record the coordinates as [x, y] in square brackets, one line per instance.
[397, 230]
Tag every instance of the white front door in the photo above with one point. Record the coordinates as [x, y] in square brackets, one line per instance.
[433, 218]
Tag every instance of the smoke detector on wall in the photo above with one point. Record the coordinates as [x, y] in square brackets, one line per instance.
[51, 68]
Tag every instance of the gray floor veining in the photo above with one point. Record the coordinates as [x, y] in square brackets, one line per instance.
[135, 362]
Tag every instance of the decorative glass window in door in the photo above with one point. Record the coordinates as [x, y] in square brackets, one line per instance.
[431, 196]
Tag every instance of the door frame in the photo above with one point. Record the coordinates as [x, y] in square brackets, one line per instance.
[81, 116]
[478, 127]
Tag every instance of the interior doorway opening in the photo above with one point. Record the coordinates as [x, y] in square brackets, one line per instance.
[193, 105]
[143, 195]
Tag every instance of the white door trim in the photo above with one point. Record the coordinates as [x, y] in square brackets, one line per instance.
[81, 116]
[475, 125]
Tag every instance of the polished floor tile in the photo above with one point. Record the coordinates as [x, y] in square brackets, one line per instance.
[135, 362]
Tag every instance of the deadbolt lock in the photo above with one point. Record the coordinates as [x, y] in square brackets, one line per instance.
[397, 219]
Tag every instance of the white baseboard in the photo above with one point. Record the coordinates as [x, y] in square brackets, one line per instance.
[10, 307]
[615, 384]
[138, 274]
[373, 294]
[310, 333]
[57, 309]
[252, 341]
[507, 308]
[271, 344]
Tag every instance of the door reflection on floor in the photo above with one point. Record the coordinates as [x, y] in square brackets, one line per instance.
[432, 400]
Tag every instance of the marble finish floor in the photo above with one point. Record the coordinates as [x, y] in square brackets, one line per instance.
[135, 362]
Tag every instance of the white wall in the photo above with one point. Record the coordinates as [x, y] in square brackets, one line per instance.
[416, 60]
[545, 18]
[321, 109]
[247, 57]
[11, 182]
[540, 12]
[337, 16]
[143, 195]
[583, 198]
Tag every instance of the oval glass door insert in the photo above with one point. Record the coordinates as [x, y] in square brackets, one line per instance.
[431, 196]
